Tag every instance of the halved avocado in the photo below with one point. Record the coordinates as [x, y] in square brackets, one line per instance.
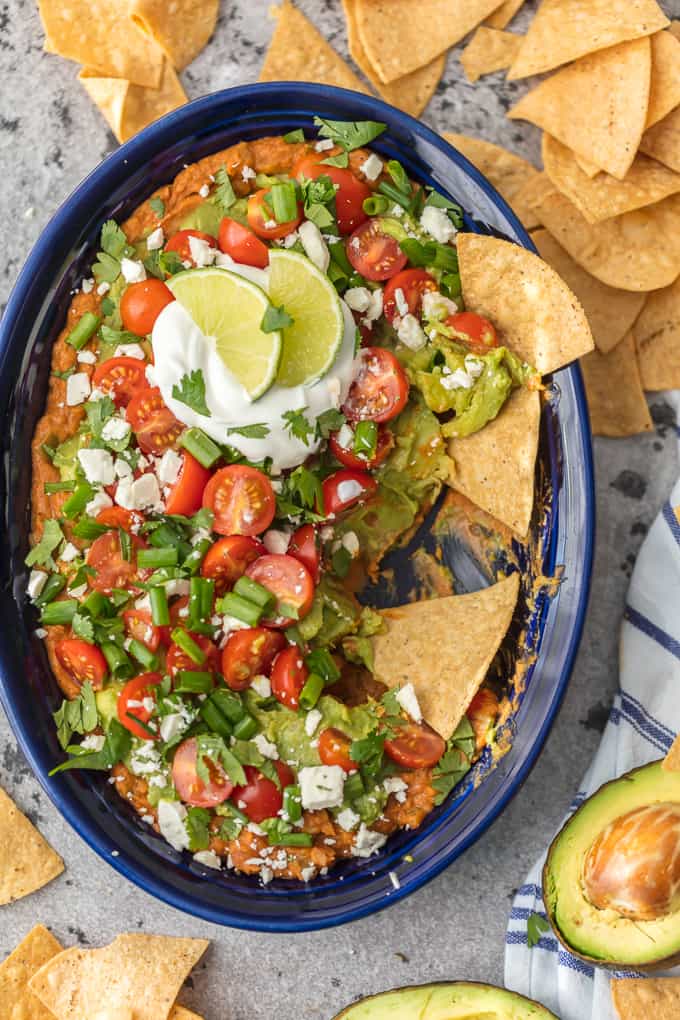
[447, 1000]
[603, 835]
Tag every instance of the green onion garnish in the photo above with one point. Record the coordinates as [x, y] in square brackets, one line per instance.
[201, 447]
[311, 692]
[283, 201]
[59, 614]
[157, 557]
[160, 613]
[85, 328]
[240, 608]
[188, 645]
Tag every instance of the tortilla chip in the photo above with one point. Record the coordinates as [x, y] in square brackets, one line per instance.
[102, 35]
[27, 861]
[411, 93]
[616, 402]
[400, 36]
[181, 28]
[597, 107]
[143, 973]
[642, 998]
[610, 312]
[489, 50]
[298, 52]
[664, 94]
[674, 29]
[509, 174]
[181, 1013]
[662, 141]
[495, 466]
[599, 198]
[589, 169]
[564, 30]
[533, 310]
[465, 630]
[504, 15]
[671, 762]
[657, 337]
[17, 1002]
[128, 108]
[623, 252]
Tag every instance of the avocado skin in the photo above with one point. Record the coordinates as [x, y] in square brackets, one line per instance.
[547, 879]
[503, 999]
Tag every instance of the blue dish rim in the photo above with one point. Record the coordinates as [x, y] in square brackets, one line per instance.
[142, 149]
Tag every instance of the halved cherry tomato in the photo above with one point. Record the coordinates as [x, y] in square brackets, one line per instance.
[83, 661]
[289, 675]
[142, 303]
[412, 283]
[334, 748]
[242, 500]
[121, 378]
[153, 423]
[304, 547]
[228, 558]
[482, 713]
[180, 243]
[139, 625]
[373, 253]
[190, 787]
[177, 659]
[130, 700]
[260, 798]
[187, 492]
[249, 653]
[288, 580]
[416, 746]
[380, 390]
[346, 488]
[260, 214]
[118, 517]
[350, 191]
[242, 244]
[350, 459]
[474, 330]
[111, 570]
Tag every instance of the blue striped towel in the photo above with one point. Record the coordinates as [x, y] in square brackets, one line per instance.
[643, 721]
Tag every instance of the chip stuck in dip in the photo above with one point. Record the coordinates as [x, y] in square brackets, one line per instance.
[282, 360]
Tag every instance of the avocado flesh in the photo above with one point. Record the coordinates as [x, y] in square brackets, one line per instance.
[455, 1000]
[604, 935]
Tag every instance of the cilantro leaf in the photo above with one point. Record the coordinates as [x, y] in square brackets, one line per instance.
[536, 925]
[341, 160]
[301, 496]
[116, 746]
[298, 425]
[98, 413]
[77, 716]
[117, 336]
[163, 263]
[113, 240]
[341, 561]
[431, 254]
[197, 823]
[42, 552]
[329, 421]
[349, 134]
[258, 431]
[455, 762]
[106, 269]
[452, 208]
[108, 306]
[83, 627]
[368, 752]
[191, 391]
[225, 195]
[275, 319]
[158, 206]
[294, 136]
[214, 748]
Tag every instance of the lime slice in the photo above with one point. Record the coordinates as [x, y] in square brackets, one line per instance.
[230, 309]
[311, 344]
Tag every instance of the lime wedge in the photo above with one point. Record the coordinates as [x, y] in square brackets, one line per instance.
[230, 309]
[311, 344]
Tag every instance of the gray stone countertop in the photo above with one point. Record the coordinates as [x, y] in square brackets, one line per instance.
[51, 136]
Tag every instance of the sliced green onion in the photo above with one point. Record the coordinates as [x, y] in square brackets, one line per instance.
[193, 561]
[399, 176]
[229, 704]
[322, 662]
[125, 545]
[385, 188]
[51, 487]
[311, 692]
[160, 613]
[118, 661]
[366, 438]
[143, 655]
[96, 604]
[254, 592]
[217, 722]
[157, 558]
[201, 447]
[89, 530]
[292, 803]
[53, 585]
[291, 839]
[245, 728]
[188, 645]
[354, 787]
[59, 613]
[85, 328]
[201, 594]
[243, 609]
[339, 255]
[76, 503]
[192, 682]
[376, 205]
[283, 201]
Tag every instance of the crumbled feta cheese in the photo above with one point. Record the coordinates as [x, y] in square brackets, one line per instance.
[308, 873]
[261, 685]
[437, 224]
[36, 583]
[265, 747]
[345, 437]
[86, 357]
[209, 859]
[150, 375]
[171, 821]
[129, 351]
[96, 395]
[144, 603]
[407, 698]
[145, 758]
[290, 239]
[204, 190]
[375, 308]
[358, 298]
[367, 842]
[348, 490]
[155, 240]
[397, 786]
[172, 726]
[266, 875]
[178, 586]
[348, 819]
[270, 224]
[247, 173]
[314, 245]
[87, 286]
[326, 533]
[103, 288]
[312, 720]
[321, 786]
[69, 553]
[351, 543]
[276, 541]
[140, 493]
[394, 879]
[40, 632]
[401, 302]
[410, 333]
[202, 253]
[230, 623]
[93, 742]
[78, 591]
[97, 465]
[459, 379]
[133, 271]
[324, 144]
[77, 388]
[436, 306]
[122, 468]
[115, 430]
[372, 167]
[169, 467]
[473, 366]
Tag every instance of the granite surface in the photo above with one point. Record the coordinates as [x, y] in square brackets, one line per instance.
[50, 137]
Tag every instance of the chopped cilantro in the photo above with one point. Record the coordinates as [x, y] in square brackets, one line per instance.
[108, 306]
[191, 391]
[452, 208]
[258, 431]
[341, 160]
[224, 192]
[106, 269]
[197, 823]
[113, 240]
[368, 752]
[117, 336]
[341, 561]
[76, 716]
[301, 496]
[455, 762]
[83, 627]
[158, 206]
[116, 747]
[536, 925]
[431, 254]
[349, 134]
[98, 413]
[163, 263]
[42, 552]
[298, 425]
[318, 199]
[294, 136]
[212, 747]
[275, 319]
[329, 421]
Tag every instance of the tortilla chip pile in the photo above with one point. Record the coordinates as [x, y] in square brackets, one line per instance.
[130, 52]
[640, 998]
[137, 977]
[27, 861]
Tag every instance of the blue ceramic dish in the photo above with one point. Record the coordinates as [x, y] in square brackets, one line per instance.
[564, 534]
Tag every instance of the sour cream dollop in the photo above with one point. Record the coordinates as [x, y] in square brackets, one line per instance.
[179, 348]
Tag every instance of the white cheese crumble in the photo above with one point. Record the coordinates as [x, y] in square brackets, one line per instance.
[130, 351]
[202, 253]
[407, 698]
[86, 357]
[77, 388]
[372, 167]
[321, 786]
[312, 720]
[171, 821]
[459, 379]
[397, 786]
[437, 224]
[209, 859]
[347, 819]
[314, 245]
[351, 543]
[93, 742]
[436, 306]
[410, 333]
[103, 288]
[69, 553]
[87, 286]
[375, 308]
[172, 726]
[115, 430]
[357, 298]
[140, 493]
[36, 583]
[265, 747]
[324, 144]
[248, 174]
[261, 685]
[276, 541]
[97, 465]
[169, 467]
[401, 302]
[155, 240]
[132, 270]
[367, 842]
[204, 190]
[345, 437]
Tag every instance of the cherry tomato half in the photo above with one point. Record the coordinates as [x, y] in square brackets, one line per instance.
[346, 488]
[111, 569]
[190, 787]
[142, 303]
[482, 713]
[260, 798]
[242, 500]
[121, 378]
[289, 675]
[130, 704]
[350, 191]
[179, 614]
[373, 253]
[412, 283]
[304, 547]
[242, 244]
[334, 748]
[153, 423]
[139, 625]
[380, 390]
[288, 580]
[249, 653]
[261, 218]
[187, 492]
[181, 244]
[416, 746]
[118, 517]
[177, 659]
[83, 661]
[350, 459]
[474, 330]
[228, 558]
